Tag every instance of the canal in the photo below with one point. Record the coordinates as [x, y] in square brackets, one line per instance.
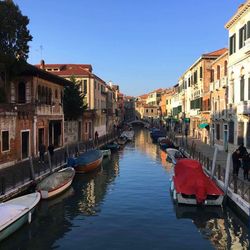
[127, 205]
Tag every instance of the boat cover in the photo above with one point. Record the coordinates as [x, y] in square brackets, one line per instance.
[8, 212]
[85, 158]
[190, 179]
[56, 179]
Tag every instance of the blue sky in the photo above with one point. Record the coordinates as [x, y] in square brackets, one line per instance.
[140, 45]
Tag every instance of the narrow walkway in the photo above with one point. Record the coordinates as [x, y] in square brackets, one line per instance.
[208, 151]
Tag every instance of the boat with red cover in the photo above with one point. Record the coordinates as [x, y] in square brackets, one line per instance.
[190, 185]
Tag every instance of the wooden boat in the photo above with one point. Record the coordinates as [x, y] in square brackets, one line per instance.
[106, 152]
[157, 134]
[167, 143]
[190, 185]
[87, 162]
[112, 146]
[173, 155]
[56, 183]
[122, 140]
[129, 134]
[16, 212]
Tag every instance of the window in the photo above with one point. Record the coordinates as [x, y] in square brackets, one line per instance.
[242, 85]
[21, 92]
[56, 94]
[152, 111]
[146, 110]
[195, 77]
[200, 72]
[211, 75]
[242, 36]
[167, 102]
[248, 29]
[85, 87]
[5, 141]
[225, 68]
[232, 44]
[218, 72]
[217, 131]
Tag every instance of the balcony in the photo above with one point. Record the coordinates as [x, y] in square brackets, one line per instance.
[244, 108]
[247, 46]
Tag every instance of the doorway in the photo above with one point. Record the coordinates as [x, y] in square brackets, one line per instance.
[25, 144]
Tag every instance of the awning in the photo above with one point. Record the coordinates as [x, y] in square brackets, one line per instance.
[203, 125]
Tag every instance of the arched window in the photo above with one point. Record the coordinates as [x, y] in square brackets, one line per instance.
[56, 94]
[21, 92]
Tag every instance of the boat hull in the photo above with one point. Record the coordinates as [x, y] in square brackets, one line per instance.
[182, 199]
[49, 187]
[19, 220]
[49, 194]
[89, 167]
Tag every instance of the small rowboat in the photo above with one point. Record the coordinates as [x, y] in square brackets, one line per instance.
[17, 212]
[87, 161]
[122, 140]
[56, 183]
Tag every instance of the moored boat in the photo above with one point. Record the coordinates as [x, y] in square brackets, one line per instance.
[56, 183]
[86, 162]
[157, 134]
[129, 134]
[112, 146]
[106, 152]
[17, 212]
[122, 140]
[173, 155]
[190, 185]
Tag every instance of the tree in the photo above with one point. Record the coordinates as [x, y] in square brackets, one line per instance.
[73, 101]
[14, 49]
[14, 34]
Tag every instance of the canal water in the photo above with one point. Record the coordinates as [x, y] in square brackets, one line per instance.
[127, 205]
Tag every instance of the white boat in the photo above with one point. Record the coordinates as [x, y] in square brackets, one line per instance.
[56, 183]
[129, 134]
[106, 152]
[16, 212]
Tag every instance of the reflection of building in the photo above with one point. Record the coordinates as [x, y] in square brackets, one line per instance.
[238, 75]
[32, 114]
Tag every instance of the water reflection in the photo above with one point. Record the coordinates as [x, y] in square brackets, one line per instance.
[126, 204]
[54, 218]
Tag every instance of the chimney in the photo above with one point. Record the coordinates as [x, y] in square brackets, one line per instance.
[42, 65]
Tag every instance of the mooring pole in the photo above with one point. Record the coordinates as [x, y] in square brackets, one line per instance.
[214, 162]
[227, 172]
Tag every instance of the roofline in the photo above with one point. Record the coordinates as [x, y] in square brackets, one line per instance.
[241, 10]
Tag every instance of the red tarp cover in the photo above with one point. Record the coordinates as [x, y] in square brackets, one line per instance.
[191, 180]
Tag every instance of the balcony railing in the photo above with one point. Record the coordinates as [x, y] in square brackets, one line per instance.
[244, 108]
